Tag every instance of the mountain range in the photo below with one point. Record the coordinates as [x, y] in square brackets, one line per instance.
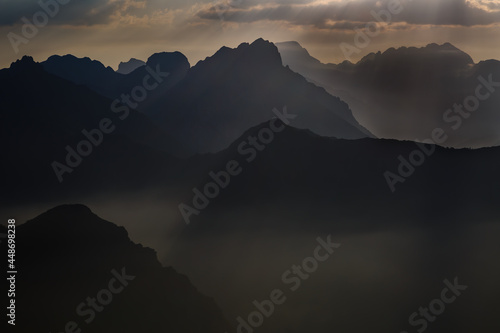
[407, 215]
[406, 93]
[208, 106]
[149, 146]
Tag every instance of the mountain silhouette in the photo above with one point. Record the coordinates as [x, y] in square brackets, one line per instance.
[404, 93]
[226, 94]
[312, 176]
[302, 186]
[299, 186]
[68, 255]
[37, 130]
[208, 106]
[130, 66]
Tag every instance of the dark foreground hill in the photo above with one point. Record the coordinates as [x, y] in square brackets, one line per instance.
[77, 270]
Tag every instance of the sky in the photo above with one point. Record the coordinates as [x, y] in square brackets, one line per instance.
[333, 31]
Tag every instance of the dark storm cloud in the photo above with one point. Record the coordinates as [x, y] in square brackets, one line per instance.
[419, 12]
[76, 12]
[315, 15]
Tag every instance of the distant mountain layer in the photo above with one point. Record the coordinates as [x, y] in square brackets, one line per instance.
[88, 274]
[406, 93]
[208, 106]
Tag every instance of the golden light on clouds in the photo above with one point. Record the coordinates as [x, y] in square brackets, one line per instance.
[486, 5]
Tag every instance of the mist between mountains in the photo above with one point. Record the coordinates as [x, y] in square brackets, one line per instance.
[249, 149]
[455, 117]
[121, 108]
[292, 278]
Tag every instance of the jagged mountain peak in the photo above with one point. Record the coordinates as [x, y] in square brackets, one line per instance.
[72, 60]
[260, 53]
[26, 63]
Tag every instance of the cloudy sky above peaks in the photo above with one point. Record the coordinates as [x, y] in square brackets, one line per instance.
[116, 30]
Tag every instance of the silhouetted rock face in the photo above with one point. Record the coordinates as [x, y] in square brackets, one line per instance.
[235, 89]
[210, 105]
[69, 254]
[129, 66]
[259, 55]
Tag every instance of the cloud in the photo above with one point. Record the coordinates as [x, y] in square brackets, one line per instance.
[330, 15]
[487, 5]
[79, 12]
[321, 14]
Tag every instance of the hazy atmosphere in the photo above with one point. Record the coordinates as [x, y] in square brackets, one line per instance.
[250, 166]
